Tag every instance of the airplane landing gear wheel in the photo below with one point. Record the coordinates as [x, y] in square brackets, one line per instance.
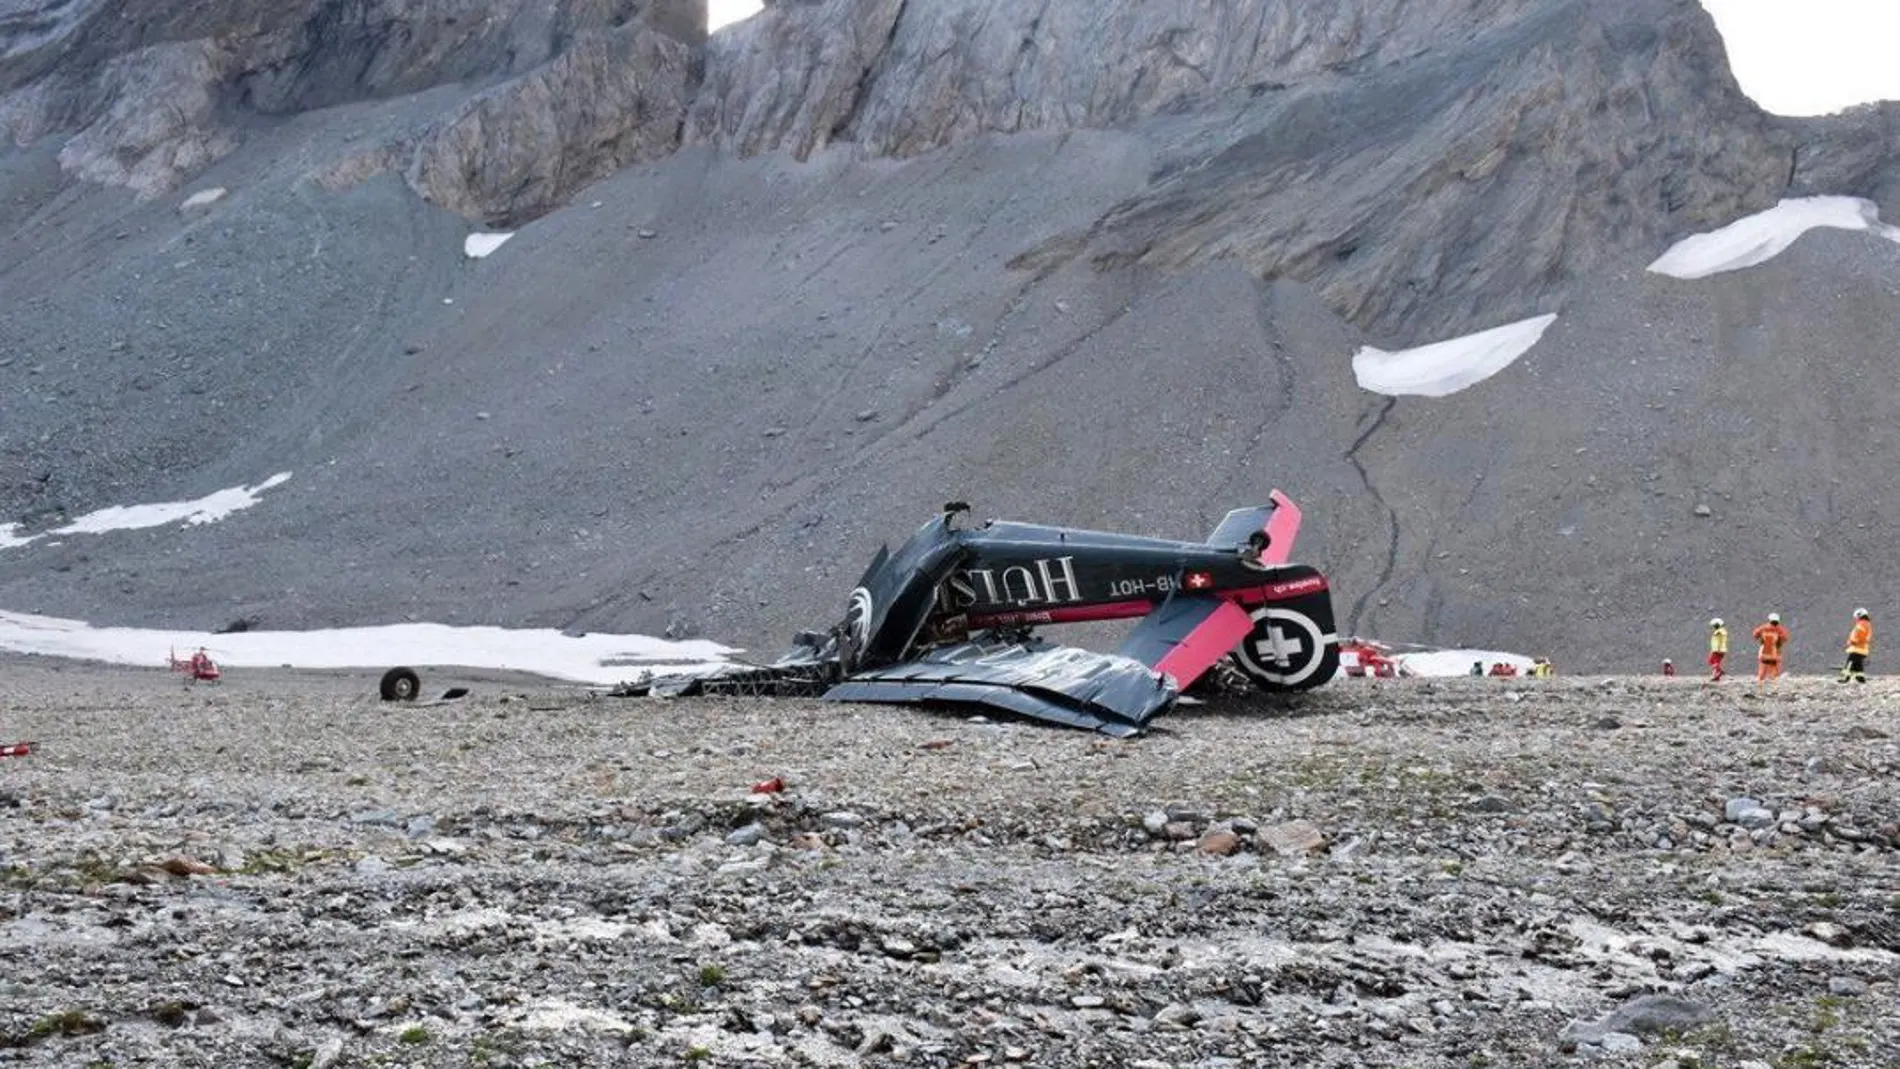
[1287, 650]
[400, 685]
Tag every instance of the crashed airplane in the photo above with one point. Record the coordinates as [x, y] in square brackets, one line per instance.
[949, 618]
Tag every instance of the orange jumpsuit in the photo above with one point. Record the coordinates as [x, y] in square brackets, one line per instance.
[1860, 642]
[1768, 662]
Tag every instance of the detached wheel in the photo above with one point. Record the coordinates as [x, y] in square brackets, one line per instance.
[400, 685]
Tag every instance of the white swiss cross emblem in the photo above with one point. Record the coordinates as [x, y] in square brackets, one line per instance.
[1199, 580]
[1277, 647]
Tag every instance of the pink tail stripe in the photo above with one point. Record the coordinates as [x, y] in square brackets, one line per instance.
[1210, 640]
[1282, 528]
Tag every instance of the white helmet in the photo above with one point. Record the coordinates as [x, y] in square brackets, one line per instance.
[1860, 613]
[1717, 622]
[1774, 617]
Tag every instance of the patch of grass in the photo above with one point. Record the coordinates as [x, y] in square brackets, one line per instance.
[712, 975]
[95, 870]
[415, 1035]
[172, 1014]
[1827, 1012]
[695, 1055]
[63, 1023]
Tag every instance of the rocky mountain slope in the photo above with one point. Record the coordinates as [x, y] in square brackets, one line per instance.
[779, 293]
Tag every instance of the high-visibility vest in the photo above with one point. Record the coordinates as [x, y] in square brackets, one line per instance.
[1718, 640]
[1772, 637]
[1861, 639]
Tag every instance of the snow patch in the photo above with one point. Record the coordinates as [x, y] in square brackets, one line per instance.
[203, 198]
[207, 509]
[1760, 237]
[210, 508]
[1447, 366]
[476, 246]
[1458, 662]
[592, 658]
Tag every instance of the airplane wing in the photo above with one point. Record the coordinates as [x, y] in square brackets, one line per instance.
[1185, 636]
[1099, 691]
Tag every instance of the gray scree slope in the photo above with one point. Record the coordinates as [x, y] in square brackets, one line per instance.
[782, 291]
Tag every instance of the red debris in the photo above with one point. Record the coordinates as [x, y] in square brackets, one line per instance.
[17, 749]
[771, 786]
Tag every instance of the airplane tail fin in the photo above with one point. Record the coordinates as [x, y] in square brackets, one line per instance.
[1272, 527]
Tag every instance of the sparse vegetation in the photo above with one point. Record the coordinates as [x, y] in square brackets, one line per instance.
[64, 1023]
[415, 1035]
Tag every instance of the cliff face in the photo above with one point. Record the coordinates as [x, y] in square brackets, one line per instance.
[557, 95]
[899, 78]
[1429, 166]
[1856, 152]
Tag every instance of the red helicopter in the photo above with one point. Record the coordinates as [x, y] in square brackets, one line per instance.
[1364, 657]
[198, 668]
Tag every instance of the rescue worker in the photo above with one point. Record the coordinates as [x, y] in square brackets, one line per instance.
[1669, 668]
[1860, 643]
[1718, 648]
[1772, 637]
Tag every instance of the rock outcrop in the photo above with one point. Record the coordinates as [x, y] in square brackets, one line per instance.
[1430, 167]
[1856, 153]
[901, 78]
[565, 92]
[517, 151]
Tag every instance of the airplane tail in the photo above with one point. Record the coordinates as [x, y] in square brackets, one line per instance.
[1272, 528]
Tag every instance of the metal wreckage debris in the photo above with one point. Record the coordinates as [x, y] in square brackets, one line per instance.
[949, 618]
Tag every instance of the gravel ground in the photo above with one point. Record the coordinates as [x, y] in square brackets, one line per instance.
[282, 871]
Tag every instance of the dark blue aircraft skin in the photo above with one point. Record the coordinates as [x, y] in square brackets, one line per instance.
[947, 619]
[1235, 595]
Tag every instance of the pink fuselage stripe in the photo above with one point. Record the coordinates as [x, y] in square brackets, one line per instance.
[1213, 639]
[1128, 610]
[1073, 614]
